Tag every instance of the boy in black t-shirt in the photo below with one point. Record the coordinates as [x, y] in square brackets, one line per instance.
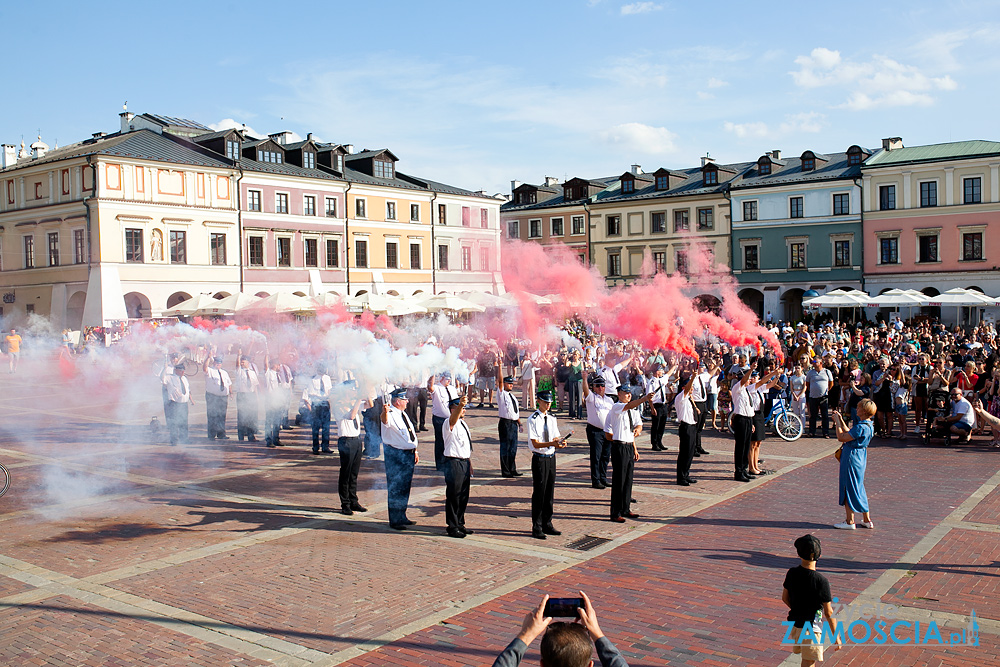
[807, 594]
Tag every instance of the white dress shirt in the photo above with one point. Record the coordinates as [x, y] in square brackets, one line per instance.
[440, 397]
[318, 389]
[217, 382]
[398, 431]
[507, 403]
[347, 427]
[598, 408]
[178, 388]
[684, 408]
[659, 387]
[742, 401]
[699, 391]
[458, 440]
[621, 423]
[610, 375]
[246, 381]
[543, 428]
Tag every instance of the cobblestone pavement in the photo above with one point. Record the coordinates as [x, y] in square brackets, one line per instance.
[117, 549]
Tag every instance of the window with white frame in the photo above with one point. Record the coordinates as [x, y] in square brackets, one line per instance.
[484, 259]
[750, 210]
[415, 255]
[557, 227]
[534, 229]
[466, 258]
[360, 208]
[309, 205]
[391, 255]
[972, 190]
[253, 200]
[615, 264]
[796, 253]
[414, 212]
[281, 202]
[390, 210]
[513, 229]
[284, 248]
[308, 159]
[484, 218]
[331, 207]
[578, 225]
[311, 248]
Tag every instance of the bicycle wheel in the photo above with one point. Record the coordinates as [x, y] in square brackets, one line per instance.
[729, 421]
[788, 426]
[4, 480]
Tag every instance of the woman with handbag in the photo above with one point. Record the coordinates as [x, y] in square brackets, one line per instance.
[853, 456]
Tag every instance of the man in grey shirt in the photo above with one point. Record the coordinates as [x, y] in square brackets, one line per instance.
[566, 644]
[819, 380]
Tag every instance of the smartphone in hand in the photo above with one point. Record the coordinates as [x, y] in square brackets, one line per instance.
[565, 607]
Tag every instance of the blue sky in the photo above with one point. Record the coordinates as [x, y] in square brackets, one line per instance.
[476, 94]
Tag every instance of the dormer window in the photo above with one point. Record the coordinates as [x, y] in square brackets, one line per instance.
[568, 194]
[232, 149]
[273, 157]
[383, 169]
[663, 182]
[854, 155]
[628, 185]
[308, 159]
[764, 167]
[808, 161]
[710, 176]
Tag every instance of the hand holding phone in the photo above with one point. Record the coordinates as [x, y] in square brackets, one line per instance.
[565, 607]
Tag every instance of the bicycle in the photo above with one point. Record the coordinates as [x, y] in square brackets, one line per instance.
[787, 425]
[4, 480]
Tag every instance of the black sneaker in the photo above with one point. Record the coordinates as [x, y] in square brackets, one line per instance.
[345, 510]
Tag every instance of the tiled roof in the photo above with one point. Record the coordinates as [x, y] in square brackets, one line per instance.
[956, 150]
[559, 200]
[693, 185]
[369, 154]
[177, 122]
[202, 138]
[835, 168]
[285, 169]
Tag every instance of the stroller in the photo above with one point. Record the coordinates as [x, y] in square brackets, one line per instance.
[938, 405]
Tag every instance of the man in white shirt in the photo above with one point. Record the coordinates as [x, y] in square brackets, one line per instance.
[457, 469]
[687, 429]
[613, 365]
[349, 446]
[245, 385]
[442, 394]
[622, 427]
[273, 396]
[700, 395]
[317, 396]
[598, 405]
[217, 387]
[400, 439]
[544, 440]
[508, 426]
[285, 380]
[659, 387]
[178, 393]
[962, 419]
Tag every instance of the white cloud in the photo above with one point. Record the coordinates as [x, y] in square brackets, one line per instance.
[229, 123]
[702, 95]
[800, 123]
[640, 8]
[641, 138]
[879, 82]
[717, 83]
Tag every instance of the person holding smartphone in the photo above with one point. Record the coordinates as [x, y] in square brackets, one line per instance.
[570, 644]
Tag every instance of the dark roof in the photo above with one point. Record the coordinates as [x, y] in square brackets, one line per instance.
[299, 144]
[559, 200]
[139, 144]
[201, 138]
[286, 169]
[370, 154]
[834, 169]
[176, 122]
[692, 185]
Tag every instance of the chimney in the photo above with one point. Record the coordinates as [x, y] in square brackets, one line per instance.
[349, 148]
[551, 180]
[775, 154]
[99, 135]
[707, 160]
[126, 118]
[280, 137]
[892, 143]
[636, 169]
[9, 156]
[514, 185]
[39, 148]
[309, 136]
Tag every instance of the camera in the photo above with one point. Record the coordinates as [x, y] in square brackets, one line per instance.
[563, 607]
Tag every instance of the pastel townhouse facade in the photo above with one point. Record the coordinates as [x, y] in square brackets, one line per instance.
[929, 213]
[669, 214]
[797, 229]
[116, 226]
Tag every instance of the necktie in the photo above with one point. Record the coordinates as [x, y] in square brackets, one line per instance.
[513, 398]
[409, 427]
[631, 422]
[467, 434]
[662, 387]
[545, 428]
[357, 426]
[222, 383]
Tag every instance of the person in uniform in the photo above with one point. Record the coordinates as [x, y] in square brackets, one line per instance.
[543, 436]
[245, 385]
[317, 397]
[442, 394]
[457, 468]
[687, 426]
[612, 366]
[217, 387]
[598, 405]
[178, 391]
[699, 394]
[349, 446]
[401, 457]
[659, 387]
[285, 380]
[508, 426]
[743, 387]
[273, 397]
[622, 426]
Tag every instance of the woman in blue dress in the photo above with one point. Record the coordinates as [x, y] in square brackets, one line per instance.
[853, 462]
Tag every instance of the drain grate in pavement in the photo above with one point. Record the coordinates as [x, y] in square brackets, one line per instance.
[587, 542]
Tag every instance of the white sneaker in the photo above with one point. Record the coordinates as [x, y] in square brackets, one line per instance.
[867, 524]
[917, 431]
[844, 526]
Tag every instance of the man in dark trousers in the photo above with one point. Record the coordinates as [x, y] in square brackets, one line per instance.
[509, 425]
[217, 387]
[687, 425]
[178, 393]
[246, 385]
[623, 425]
[598, 405]
[543, 438]
[401, 457]
[442, 394]
[699, 393]
[457, 468]
[349, 446]
[659, 387]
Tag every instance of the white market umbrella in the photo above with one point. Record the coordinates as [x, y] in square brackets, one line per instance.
[959, 297]
[485, 299]
[281, 302]
[452, 303]
[897, 298]
[404, 306]
[838, 298]
[328, 300]
[229, 305]
[191, 306]
[374, 302]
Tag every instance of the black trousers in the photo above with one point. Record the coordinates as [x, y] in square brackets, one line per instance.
[658, 425]
[573, 399]
[177, 421]
[819, 406]
[216, 407]
[321, 422]
[246, 414]
[507, 430]
[438, 442]
[543, 490]
[272, 420]
[700, 426]
[622, 469]
[688, 440]
[600, 454]
[742, 429]
[350, 450]
[399, 466]
[457, 476]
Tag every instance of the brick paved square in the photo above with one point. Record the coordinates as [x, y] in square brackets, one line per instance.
[10, 586]
[53, 488]
[987, 510]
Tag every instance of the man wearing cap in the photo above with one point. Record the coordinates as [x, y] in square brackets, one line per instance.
[659, 387]
[598, 405]
[274, 403]
[316, 396]
[457, 468]
[400, 440]
[509, 425]
[442, 394]
[245, 385]
[217, 387]
[622, 426]
[544, 440]
[178, 392]
[612, 366]
[687, 427]
[699, 393]
[349, 446]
